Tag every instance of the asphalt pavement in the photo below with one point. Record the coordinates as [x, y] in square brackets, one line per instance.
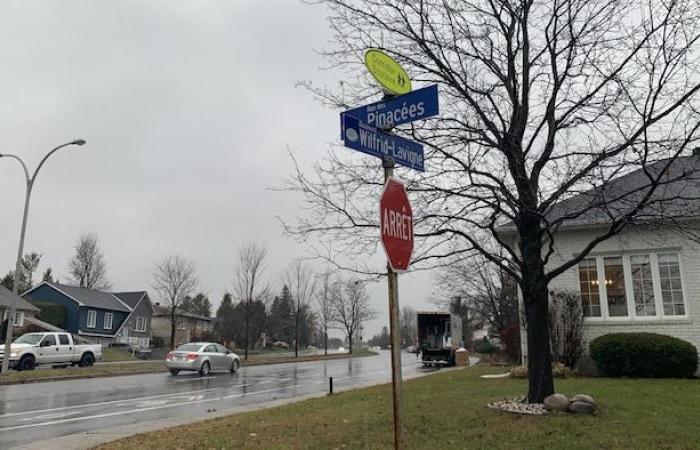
[42, 412]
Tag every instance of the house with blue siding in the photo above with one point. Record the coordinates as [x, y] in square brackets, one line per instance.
[97, 316]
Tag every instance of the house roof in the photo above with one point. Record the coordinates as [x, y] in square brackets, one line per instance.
[131, 298]
[7, 297]
[91, 298]
[159, 310]
[677, 196]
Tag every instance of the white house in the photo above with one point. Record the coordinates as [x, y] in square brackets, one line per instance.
[647, 278]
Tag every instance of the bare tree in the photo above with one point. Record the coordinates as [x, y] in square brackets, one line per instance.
[350, 305]
[324, 308]
[174, 279]
[30, 263]
[300, 281]
[88, 268]
[540, 101]
[248, 285]
[566, 326]
[409, 325]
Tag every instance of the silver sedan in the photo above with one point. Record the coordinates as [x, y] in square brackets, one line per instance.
[202, 357]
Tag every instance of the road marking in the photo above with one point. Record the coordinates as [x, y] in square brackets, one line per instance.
[152, 408]
[112, 402]
[51, 416]
[265, 382]
[192, 379]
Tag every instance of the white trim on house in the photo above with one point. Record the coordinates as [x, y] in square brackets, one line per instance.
[145, 294]
[107, 324]
[18, 319]
[125, 305]
[91, 318]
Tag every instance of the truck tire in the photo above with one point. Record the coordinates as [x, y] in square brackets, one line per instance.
[87, 360]
[26, 363]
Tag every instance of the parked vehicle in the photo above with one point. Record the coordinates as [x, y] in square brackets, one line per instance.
[202, 357]
[55, 349]
[439, 335]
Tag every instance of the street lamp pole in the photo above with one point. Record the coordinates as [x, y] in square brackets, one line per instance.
[18, 265]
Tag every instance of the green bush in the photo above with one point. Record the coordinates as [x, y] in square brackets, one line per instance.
[53, 313]
[485, 347]
[644, 355]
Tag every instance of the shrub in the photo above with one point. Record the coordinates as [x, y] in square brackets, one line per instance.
[559, 370]
[53, 313]
[566, 326]
[510, 337]
[485, 347]
[644, 355]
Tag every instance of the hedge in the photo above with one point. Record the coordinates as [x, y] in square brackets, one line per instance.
[52, 313]
[644, 355]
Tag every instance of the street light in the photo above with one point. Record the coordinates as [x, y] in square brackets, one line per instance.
[18, 266]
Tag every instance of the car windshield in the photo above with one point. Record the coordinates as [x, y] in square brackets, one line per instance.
[188, 348]
[31, 339]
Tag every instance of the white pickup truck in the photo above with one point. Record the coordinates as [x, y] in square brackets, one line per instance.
[51, 349]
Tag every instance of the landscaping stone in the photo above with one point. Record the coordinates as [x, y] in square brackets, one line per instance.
[583, 398]
[582, 408]
[519, 406]
[557, 402]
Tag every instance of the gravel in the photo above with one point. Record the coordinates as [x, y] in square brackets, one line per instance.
[519, 406]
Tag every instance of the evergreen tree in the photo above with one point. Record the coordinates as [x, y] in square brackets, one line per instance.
[224, 324]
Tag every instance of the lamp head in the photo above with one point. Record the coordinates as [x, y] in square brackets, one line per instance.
[79, 142]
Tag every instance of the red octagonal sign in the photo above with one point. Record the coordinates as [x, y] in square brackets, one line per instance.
[396, 225]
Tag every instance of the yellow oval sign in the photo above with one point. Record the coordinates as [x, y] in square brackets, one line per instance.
[388, 73]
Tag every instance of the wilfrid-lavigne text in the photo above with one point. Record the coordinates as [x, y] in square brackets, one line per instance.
[369, 139]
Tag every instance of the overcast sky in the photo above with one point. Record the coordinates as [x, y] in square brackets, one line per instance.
[188, 108]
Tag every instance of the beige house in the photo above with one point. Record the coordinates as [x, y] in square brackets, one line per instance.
[189, 327]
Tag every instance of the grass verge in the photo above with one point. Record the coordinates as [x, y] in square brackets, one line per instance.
[140, 367]
[114, 354]
[448, 411]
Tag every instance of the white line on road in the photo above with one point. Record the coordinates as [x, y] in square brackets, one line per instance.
[192, 379]
[112, 402]
[119, 413]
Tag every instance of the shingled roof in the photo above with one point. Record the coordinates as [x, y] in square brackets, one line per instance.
[91, 297]
[7, 297]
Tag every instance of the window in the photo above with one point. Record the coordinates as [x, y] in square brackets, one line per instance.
[181, 324]
[210, 349]
[91, 318]
[642, 285]
[140, 324]
[108, 321]
[221, 349]
[19, 318]
[671, 286]
[63, 339]
[615, 286]
[588, 274]
[634, 286]
[49, 340]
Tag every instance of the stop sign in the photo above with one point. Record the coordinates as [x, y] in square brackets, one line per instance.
[396, 223]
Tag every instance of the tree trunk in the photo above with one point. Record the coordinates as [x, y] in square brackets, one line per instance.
[535, 300]
[350, 342]
[172, 330]
[325, 342]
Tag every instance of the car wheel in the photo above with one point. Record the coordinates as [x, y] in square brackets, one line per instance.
[26, 363]
[174, 372]
[205, 369]
[87, 360]
[235, 365]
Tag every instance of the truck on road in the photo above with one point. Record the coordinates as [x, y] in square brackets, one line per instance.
[51, 349]
[439, 337]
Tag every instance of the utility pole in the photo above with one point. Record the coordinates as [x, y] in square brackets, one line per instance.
[18, 265]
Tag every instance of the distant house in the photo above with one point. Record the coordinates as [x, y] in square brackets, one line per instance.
[23, 311]
[188, 327]
[97, 316]
[136, 329]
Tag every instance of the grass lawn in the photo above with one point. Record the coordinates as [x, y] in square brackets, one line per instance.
[448, 410]
[112, 354]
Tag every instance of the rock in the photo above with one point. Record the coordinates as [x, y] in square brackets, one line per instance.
[583, 398]
[582, 408]
[556, 402]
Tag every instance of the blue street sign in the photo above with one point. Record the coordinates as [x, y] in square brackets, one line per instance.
[373, 141]
[416, 105]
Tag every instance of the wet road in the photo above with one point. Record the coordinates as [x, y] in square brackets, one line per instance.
[35, 412]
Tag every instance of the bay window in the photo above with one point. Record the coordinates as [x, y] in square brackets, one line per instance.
[637, 285]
